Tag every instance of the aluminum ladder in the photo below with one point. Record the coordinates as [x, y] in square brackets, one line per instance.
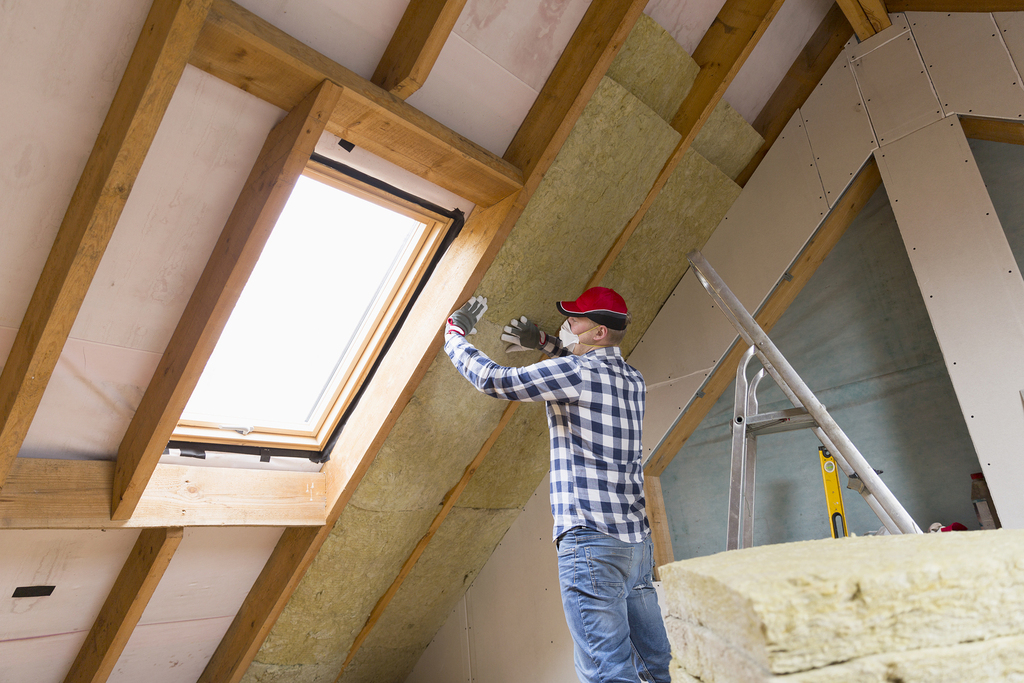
[807, 413]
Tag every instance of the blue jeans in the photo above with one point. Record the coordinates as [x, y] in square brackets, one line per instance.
[612, 608]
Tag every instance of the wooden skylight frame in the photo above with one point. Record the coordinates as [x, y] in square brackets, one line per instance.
[369, 338]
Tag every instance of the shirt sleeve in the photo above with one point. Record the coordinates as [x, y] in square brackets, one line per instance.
[555, 379]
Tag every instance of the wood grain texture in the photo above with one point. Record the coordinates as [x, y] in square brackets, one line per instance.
[280, 162]
[661, 535]
[153, 71]
[867, 17]
[246, 51]
[75, 494]
[807, 70]
[135, 585]
[584, 62]
[720, 54]
[415, 45]
[806, 264]
[994, 130]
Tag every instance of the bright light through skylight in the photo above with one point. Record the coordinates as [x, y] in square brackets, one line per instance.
[318, 276]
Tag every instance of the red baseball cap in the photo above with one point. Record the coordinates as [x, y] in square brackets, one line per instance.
[602, 305]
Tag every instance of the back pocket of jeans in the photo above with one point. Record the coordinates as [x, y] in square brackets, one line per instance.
[609, 569]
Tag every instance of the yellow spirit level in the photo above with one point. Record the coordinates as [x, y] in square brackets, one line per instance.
[833, 494]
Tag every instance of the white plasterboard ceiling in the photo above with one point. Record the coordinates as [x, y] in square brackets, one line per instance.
[60, 63]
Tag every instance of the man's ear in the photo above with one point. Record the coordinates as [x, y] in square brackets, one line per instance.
[601, 334]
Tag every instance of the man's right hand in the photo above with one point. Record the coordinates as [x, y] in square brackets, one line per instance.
[523, 335]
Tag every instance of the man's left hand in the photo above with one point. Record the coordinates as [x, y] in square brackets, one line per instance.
[464, 320]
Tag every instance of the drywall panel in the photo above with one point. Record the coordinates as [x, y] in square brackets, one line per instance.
[513, 609]
[1011, 27]
[81, 565]
[954, 238]
[896, 90]
[665, 403]
[859, 48]
[838, 128]
[771, 220]
[968, 63]
[175, 652]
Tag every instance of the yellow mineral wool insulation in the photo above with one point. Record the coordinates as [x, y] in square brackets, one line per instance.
[681, 219]
[655, 68]
[853, 605]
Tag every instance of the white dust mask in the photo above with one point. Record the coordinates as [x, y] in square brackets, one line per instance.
[570, 339]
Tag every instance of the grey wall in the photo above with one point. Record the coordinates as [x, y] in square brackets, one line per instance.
[860, 337]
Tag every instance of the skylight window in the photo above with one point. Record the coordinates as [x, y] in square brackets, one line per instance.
[332, 279]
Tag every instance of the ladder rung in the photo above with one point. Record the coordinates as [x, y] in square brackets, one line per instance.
[780, 421]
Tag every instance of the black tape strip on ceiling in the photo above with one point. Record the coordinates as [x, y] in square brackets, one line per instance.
[195, 449]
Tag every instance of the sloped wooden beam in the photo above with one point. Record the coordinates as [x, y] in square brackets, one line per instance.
[955, 5]
[124, 606]
[414, 47]
[150, 78]
[75, 494]
[806, 264]
[720, 54]
[823, 48]
[420, 339]
[661, 535]
[246, 51]
[280, 162]
[867, 17]
[993, 130]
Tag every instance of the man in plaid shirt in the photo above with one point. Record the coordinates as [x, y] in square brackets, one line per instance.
[595, 407]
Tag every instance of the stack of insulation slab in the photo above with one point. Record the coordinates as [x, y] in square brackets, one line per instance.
[916, 608]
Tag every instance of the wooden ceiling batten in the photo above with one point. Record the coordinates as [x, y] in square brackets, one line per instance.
[280, 163]
[818, 247]
[867, 17]
[821, 50]
[417, 345]
[75, 494]
[138, 107]
[416, 44]
[251, 54]
[993, 130]
[125, 604]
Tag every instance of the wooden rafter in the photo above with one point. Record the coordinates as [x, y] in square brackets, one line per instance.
[124, 606]
[994, 130]
[416, 44]
[867, 17]
[75, 494]
[720, 54]
[281, 161]
[819, 246]
[661, 535]
[955, 5]
[420, 340]
[251, 54]
[823, 48]
[150, 78]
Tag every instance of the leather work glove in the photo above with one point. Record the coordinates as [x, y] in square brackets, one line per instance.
[523, 335]
[464, 320]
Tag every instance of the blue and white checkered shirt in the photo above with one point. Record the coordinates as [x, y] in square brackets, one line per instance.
[595, 406]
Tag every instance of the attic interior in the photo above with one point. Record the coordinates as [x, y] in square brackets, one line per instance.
[545, 147]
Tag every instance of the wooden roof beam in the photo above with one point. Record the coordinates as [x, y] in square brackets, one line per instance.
[569, 88]
[806, 264]
[416, 44]
[821, 50]
[280, 162]
[993, 130]
[135, 585]
[867, 17]
[153, 71]
[239, 47]
[75, 494]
